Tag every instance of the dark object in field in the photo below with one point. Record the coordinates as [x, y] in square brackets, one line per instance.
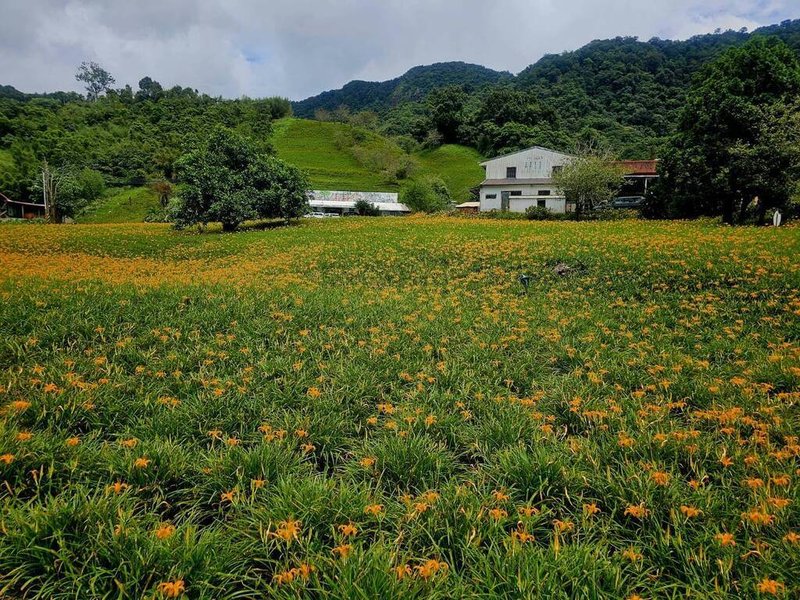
[562, 269]
[525, 280]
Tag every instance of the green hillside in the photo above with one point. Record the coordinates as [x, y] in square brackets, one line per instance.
[339, 156]
[335, 156]
[459, 166]
[121, 205]
[325, 152]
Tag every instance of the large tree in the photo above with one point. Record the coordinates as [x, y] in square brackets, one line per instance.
[723, 154]
[96, 79]
[589, 180]
[228, 180]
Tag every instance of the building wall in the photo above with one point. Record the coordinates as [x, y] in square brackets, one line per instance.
[491, 197]
[534, 163]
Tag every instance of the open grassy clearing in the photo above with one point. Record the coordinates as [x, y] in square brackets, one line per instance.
[121, 205]
[326, 152]
[459, 166]
[312, 146]
[371, 408]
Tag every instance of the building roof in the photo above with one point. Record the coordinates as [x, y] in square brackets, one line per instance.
[383, 201]
[349, 204]
[7, 200]
[524, 151]
[639, 167]
[535, 181]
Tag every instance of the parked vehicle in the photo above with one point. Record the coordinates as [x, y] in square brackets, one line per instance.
[628, 202]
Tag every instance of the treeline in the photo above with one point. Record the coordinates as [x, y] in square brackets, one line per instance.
[128, 137]
[623, 94]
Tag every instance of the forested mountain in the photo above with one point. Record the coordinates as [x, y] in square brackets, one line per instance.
[413, 86]
[622, 91]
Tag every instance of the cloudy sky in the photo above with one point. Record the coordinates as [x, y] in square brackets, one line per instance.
[298, 48]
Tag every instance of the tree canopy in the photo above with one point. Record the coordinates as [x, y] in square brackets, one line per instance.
[229, 180]
[96, 78]
[737, 135]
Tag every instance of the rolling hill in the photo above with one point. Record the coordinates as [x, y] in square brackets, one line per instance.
[621, 91]
[121, 205]
[343, 157]
[413, 86]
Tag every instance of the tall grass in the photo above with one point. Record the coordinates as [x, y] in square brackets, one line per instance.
[371, 408]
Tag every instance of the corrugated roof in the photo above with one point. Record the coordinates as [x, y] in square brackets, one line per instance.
[526, 150]
[639, 167]
[535, 181]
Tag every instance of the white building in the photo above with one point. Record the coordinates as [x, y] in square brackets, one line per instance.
[344, 203]
[516, 181]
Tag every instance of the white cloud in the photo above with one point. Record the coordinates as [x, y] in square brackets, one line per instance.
[301, 47]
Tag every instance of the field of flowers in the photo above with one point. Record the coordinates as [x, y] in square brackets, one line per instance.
[373, 408]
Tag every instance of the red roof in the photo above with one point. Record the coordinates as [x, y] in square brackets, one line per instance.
[639, 167]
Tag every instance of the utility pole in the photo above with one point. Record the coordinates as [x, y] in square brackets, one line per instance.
[50, 182]
[44, 190]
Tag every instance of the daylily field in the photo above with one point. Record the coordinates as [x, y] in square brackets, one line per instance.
[374, 408]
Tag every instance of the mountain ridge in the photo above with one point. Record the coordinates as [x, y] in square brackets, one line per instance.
[683, 57]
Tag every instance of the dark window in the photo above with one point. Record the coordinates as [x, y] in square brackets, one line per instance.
[541, 203]
[511, 172]
[491, 196]
[515, 193]
[557, 169]
[544, 192]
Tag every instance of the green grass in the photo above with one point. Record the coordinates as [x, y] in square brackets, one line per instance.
[313, 146]
[260, 392]
[326, 152]
[459, 166]
[121, 205]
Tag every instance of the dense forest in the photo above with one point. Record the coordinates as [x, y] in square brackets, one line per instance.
[128, 137]
[623, 93]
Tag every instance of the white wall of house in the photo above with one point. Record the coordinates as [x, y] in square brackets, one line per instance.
[527, 177]
[523, 197]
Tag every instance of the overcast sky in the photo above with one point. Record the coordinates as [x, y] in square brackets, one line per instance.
[298, 48]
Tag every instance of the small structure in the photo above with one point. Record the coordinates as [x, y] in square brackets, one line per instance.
[343, 203]
[15, 209]
[469, 207]
[639, 176]
[517, 181]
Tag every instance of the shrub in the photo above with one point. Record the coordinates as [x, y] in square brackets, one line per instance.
[538, 213]
[427, 195]
[364, 208]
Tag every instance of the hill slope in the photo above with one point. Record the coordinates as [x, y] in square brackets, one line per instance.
[343, 157]
[622, 91]
[323, 150]
[413, 86]
[121, 205]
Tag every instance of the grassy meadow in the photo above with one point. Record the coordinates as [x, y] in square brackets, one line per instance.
[373, 408]
[338, 156]
[121, 205]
